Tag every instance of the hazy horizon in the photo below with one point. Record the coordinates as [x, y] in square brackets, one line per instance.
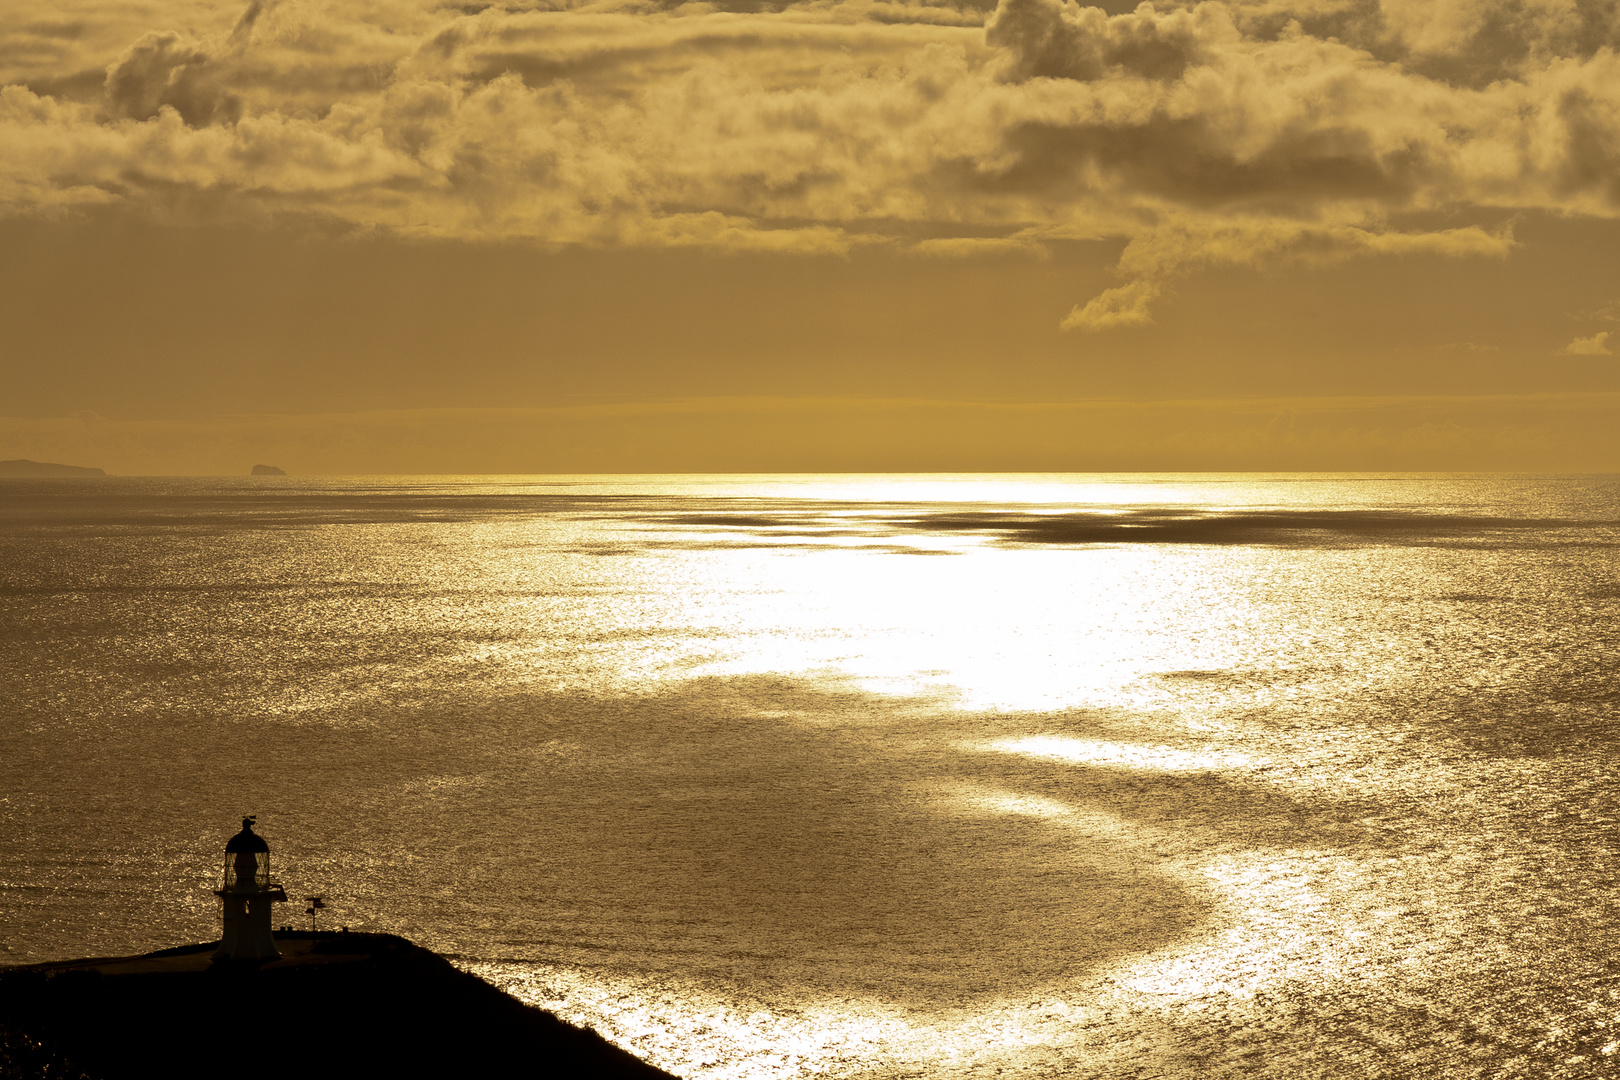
[1561, 433]
[1143, 474]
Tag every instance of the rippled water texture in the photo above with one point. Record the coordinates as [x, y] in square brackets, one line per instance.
[858, 776]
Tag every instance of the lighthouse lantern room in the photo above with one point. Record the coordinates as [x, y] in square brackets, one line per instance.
[247, 893]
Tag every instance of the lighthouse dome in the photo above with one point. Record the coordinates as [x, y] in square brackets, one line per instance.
[247, 839]
[247, 861]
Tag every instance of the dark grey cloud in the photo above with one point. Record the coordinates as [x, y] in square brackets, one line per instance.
[1046, 38]
[168, 70]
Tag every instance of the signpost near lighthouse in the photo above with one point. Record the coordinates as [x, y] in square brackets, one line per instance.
[247, 893]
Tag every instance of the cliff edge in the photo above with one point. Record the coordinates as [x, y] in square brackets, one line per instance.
[335, 1004]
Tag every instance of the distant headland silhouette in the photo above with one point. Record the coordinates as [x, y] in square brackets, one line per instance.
[267, 470]
[24, 467]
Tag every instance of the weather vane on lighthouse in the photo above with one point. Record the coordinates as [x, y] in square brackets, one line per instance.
[247, 892]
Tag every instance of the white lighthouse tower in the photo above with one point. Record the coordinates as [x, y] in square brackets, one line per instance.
[247, 893]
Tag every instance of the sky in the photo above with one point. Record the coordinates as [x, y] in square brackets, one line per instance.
[404, 236]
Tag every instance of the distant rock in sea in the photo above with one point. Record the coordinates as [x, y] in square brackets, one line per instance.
[268, 470]
[24, 467]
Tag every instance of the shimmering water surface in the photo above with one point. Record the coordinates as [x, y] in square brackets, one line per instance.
[768, 777]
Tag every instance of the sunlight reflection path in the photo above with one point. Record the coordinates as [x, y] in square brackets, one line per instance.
[1281, 918]
[1131, 755]
[693, 1033]
[1000, 630]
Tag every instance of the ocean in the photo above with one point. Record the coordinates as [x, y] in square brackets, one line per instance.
[857, 776]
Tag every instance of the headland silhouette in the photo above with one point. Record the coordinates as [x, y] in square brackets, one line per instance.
[334, 1004]
[260, 1006]
[24, 467]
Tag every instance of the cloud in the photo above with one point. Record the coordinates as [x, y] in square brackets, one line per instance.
[1202, 134]
[1160, 256]
[1055, 39]
[968, 247]
[1127, 305]
[1596, 345]
[165, 70]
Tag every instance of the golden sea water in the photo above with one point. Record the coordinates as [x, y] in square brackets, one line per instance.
[858, 776]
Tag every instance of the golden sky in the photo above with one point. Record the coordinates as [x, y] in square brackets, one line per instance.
[410, 236]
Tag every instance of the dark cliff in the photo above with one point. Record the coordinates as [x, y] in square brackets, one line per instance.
[336, 1004]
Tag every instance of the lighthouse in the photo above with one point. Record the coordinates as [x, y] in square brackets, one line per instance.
[247, 893]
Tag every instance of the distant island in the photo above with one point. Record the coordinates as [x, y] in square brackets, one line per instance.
[335, 1005]
[24, 467]
[267, 470]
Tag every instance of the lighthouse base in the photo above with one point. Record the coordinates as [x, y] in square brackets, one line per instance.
[246, 931]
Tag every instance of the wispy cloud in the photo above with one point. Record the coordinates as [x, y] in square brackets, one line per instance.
[1596, 345]
[1205, 135]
